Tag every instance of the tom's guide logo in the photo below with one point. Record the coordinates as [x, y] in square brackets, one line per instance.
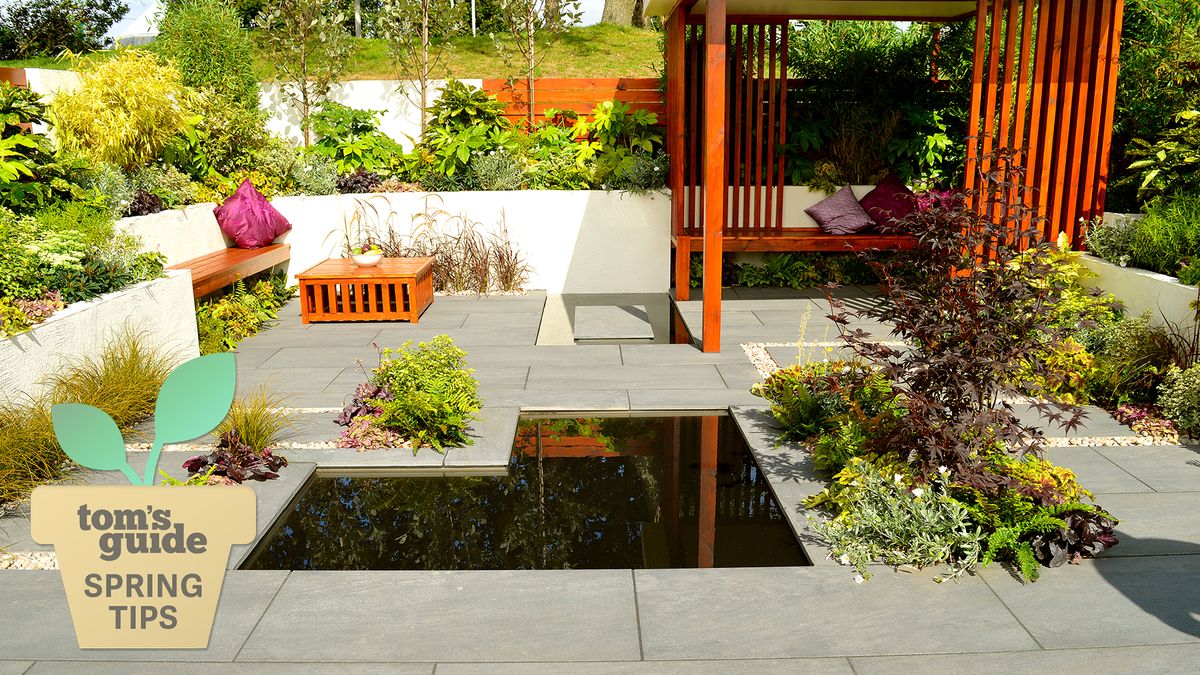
[143, 565]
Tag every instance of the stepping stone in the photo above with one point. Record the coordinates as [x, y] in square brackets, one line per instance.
[612, 322]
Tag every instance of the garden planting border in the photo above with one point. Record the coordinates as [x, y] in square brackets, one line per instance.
[161, 311]
[1143, 291]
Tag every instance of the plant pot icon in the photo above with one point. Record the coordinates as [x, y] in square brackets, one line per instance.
[143, 566]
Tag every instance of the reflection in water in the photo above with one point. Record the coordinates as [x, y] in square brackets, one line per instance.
[579, 493]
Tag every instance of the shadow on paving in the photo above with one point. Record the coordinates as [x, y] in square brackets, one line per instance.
[1171, 592]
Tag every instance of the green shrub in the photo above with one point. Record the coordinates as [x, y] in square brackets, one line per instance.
[887, 519]
[47, 27]
[843, 403]
[125, 110]
[1179, 398]
[166, 182]
[243, 312]
[1166, 240]
[220, 137]
[352, 139]
[644, 173]
[260, 419]
[434, 395]
[1131, 358]
[112, 185]
[31, 174]
[805, 270]
[206, 42]
[497, 170]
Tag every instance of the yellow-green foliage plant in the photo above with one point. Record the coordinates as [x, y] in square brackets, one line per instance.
[125, 109]
[260, 419]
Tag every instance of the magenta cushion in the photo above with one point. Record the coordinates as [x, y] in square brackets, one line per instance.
[840, 213]
[889, 203]
[249, 219]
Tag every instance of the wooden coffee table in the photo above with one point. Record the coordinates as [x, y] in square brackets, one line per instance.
[397, 289]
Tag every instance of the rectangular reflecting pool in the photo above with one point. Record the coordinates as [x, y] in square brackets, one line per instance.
[582, 493]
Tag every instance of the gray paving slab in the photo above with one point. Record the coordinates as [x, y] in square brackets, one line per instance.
[397, 335]
[368, 460]
[788, 468]
[45, 630]
[531, 400]
[529, 304]
[553, 615]
[251, 357]
[547, 378]
[769, 293]
[1157, 523]
[500, 321]
[739, 376]
[1171, 468]
[492, 435]
[612, 322]
[320, 357]
[816, 611]
[184, 668]
[343, 386]
[1096, 423]
[689, 399]
[18, 667]
[289, 381]
[723, 667]
[733, 317]
[502, 377]
[549, 355]
[655, 355]
[1148, 660]
[314, 335]
[1094, 471]
[1107, 602]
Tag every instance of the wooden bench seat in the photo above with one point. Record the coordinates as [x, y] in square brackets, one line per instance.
[216, 270]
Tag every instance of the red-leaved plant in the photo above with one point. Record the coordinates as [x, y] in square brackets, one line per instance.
[966, 300]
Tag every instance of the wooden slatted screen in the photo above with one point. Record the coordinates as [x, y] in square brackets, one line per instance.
[756, 104]
[1044, 88]
[578, 94]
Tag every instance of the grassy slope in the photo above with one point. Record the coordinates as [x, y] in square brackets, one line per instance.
[591, 51]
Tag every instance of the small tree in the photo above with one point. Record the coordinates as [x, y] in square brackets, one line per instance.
[308, 47]
[415, 31]
[532, 34]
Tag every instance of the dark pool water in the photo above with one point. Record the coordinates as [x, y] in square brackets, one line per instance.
[596, 493]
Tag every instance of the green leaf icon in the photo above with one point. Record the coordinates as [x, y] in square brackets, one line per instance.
[91, 438]
[193, 400]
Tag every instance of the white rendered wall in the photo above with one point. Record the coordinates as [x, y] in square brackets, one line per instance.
[160, 310]
[576, 241]
[1142, 291]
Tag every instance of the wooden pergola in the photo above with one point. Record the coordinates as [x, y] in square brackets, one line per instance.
[1044, 84]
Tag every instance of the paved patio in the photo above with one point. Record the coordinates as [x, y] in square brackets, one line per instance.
[1137, 609]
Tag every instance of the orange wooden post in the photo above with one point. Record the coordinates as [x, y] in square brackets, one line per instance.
[705, 555]
[1112, 67]
[676, 26]
[715, 191]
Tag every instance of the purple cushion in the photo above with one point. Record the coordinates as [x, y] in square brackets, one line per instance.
[840, 213]
[249, 219]
[889, 203]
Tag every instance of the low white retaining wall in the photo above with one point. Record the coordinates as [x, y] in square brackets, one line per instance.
[575, 241]
[160, 310]
[1142, 291]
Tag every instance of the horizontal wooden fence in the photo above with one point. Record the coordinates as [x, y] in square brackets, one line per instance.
[578, 94]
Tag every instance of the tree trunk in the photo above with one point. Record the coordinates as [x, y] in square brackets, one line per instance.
[621, 12]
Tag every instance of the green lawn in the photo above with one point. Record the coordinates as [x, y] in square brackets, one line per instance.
[602, 50]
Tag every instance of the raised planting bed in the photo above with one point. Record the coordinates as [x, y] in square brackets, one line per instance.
[161, 311]
[1143, 291]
